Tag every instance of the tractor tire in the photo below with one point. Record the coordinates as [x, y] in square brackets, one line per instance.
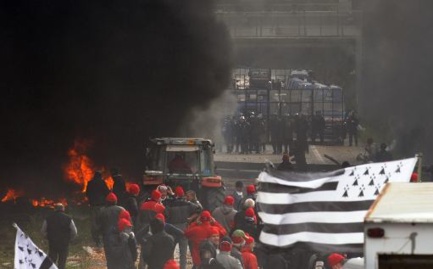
[213, 197]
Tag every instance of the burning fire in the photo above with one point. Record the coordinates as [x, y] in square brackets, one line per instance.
[12, 195]
[80, 168]
[48, 203]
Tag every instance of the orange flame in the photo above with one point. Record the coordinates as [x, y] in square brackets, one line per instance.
[109, 181]
[48, 203]
[12, 195]
[80, 168]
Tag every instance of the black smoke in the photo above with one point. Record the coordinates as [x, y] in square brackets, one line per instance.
[113, 72]
[397, 73]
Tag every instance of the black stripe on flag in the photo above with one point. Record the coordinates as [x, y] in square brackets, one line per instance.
[315, 207]
[277, 188]
[46, 264]
[332, 228]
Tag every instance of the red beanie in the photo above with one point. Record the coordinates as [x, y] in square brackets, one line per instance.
[335, 259]
[179, 191]
[229, 200]
[111, 197]
[250, 212]
[171, 264]
[156, 195]
[134, 189]
[124, 214]
[251, 189]
[123, 223]
[213, 230]
[225, 245]
[160, 216]
[205, 215]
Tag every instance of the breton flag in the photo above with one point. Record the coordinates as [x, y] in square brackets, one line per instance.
[28, 255]
[323, 212]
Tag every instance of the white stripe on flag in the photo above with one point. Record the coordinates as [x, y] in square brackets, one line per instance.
[309, 237]
[316, 217]
[322, 196]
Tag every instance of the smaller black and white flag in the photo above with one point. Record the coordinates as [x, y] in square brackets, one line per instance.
[28, 255]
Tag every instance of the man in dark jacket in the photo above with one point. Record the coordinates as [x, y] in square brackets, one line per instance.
[107, 223]
[96, 192]
[159, 247]
[179, 210]
[119, 186]
[59, 229]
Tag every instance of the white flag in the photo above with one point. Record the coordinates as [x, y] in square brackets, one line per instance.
[323, 211]
[28, 255]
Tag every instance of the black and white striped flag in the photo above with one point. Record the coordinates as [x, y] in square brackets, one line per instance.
[323, 211]
[28, 255]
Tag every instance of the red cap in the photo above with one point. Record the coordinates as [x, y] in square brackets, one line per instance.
[213, 230]
[250, 212]
[156, 195]
[248, 239]
[134, 189]
[205, 215]
[225, 245]
[414, 177]
[251, 189]
[123, 223]
[335, 259]
[229, 200]
[124, 214]
[171, 264]
[179, 191]
[111, 197]
[160, 216]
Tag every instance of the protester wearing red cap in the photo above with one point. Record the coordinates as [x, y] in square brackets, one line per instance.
[126, 245]
[225, 213]
[199, 232]
[179, 211]
[106, 220]
[131, 202]
[208, 248]
[251, 189]
[248, 256]
[336, 261]
[123, 224]
[125, 215]
[134, 189]
[225, 258]
[111, 198]
[247, 223]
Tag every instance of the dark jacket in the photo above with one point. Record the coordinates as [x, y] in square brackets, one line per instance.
[96, 192]
[60, 229]
[178, 210]
[119, 188]
[159, 247]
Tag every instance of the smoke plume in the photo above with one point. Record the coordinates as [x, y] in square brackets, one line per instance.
[398, 59]
[114, 72]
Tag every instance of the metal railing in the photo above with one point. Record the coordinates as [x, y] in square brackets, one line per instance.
[268, 24]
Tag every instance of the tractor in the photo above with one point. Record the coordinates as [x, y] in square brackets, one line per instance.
[186, 162]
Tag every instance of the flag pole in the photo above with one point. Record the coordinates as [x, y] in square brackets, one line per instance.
[419, 156]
